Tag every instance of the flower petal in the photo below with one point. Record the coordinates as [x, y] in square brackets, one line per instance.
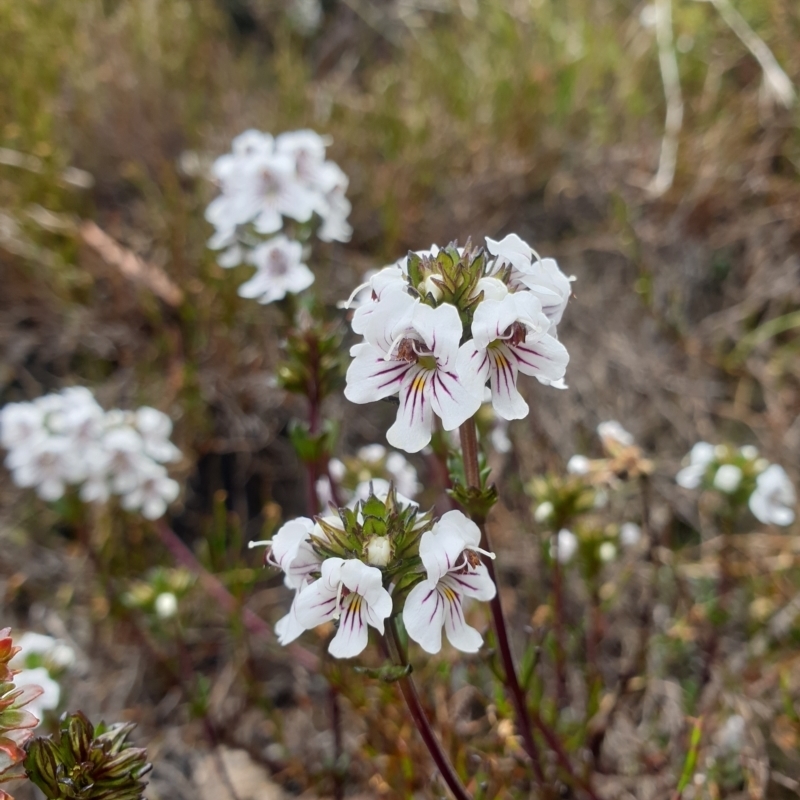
[371, 377]
[412, 428]
[546, 358]
[506, 399]
[423, 616]
[352, 636]
[450, 400]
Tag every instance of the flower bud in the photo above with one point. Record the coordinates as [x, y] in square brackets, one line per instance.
[432, 288]
[379, 551]
[166, 605]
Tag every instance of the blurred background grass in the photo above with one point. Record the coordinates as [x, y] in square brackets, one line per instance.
[452, 119]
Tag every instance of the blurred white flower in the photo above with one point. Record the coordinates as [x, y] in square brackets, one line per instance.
[614, 432]
[166, 605]
[37, 648]
[730, 737]
[750, 452]
[630, 534]
[543, 511]
[578, 465]
[280, 271]
[154, 491]
[564, 546]
[773, 500]
[728, 478]
[691, 476]
[607, 552]
[67, 439]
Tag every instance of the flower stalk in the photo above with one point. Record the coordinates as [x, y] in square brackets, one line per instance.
[394, 650]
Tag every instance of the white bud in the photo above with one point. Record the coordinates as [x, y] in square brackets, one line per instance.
[728, 478]
[567, 543]
[749, 452]
[166, 605]
[543, 511]
[607, 552]
[379, 551]
[578, 465]
[492, 288]
[432, 288]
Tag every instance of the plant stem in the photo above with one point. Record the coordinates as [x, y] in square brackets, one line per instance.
[525, 717]
[469, 447]
[409, 691]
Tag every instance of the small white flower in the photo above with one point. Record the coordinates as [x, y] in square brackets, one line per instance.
[728, 478]
[403, 474]
[449, 553]
[21, 424]
[630, 534]
[411, 350]
[730, 737]
[607, 552]
[154, 491]
[614, 432]
[750, 452]
[46, 465]
[499, 436]
[543, 511]
[348, 591]
[564, 546]
[166, 605]
[691, 476]
[280, 271]
[155, 428]
[578, 465]
[372, 453]
[773, 500]
[510, 336]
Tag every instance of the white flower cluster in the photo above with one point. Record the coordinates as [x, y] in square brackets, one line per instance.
[418, 349]
[355, 593]
[771, 500]
[41, 660]
[564, 544]
[373, 469]
[263, 182]
[68, 439]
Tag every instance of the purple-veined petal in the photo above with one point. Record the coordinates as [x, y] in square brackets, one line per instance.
[475, 583]
[440, 328]
[412, 428]
[450, 400]
[506, 399]
[371, 377]
[423, 616]
[440, 550]
[462, 636]
[546, 357]
[472, 367]
[288, 627]
[352, 636]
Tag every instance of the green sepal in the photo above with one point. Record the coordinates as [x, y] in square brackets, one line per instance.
[476, 502]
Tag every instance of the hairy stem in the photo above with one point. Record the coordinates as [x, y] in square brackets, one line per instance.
[409, 691]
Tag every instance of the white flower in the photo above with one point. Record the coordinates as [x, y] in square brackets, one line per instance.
[773, 500]
[126, 458]
[387, 279]
[411, 350]
[564, 546]
[20, 425]
[280, 271]
[607, 552]
[499, 436]
[630, 534]
[46, 648]
[728, 478]
[166, 605]
[701, 455]
[403, 474]
[543, 511]
[351, 592]
[50, 696]
[155, 428]
[46, 465]
[614, 432]
[578, 465]
[750, 452]
[449, 553]
[154, 491]
[540, 276]
[510, 336]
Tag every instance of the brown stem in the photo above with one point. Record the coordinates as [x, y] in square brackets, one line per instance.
[526, 718]
[409, 691]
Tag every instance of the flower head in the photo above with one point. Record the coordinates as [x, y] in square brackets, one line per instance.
[450, 554]
[774, 497]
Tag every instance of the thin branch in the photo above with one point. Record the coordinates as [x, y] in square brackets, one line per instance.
[670, 78]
